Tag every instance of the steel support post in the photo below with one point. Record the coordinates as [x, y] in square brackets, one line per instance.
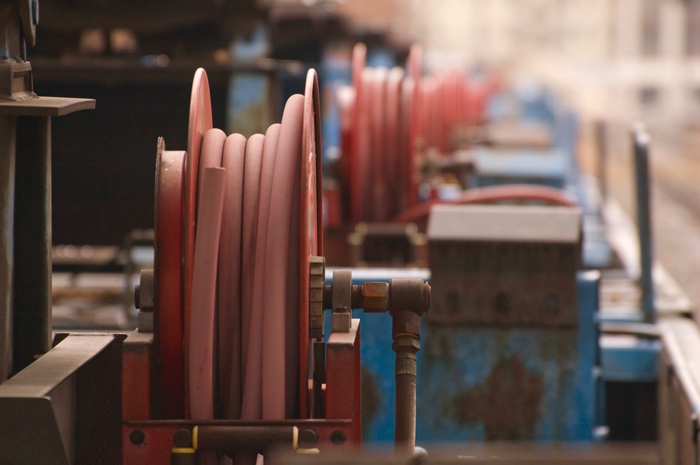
[8, 132]
[32, 239]
[641, 162]
[601, 136]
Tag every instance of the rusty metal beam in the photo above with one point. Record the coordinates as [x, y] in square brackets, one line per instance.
[32, 241]
[8, 134]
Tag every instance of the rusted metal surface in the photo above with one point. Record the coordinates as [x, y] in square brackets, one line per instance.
[510, 382]
[371, 398]
[508, 402]
[507, 384]
[562, 358]
[409, 300]
[405, 372]
[481, 283]
[8, 134]
[375, 296]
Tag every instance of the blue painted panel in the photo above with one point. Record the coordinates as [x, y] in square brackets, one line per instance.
[466, 374]
[488, 181]
[544, 164]
[497, 384]
[627, 358]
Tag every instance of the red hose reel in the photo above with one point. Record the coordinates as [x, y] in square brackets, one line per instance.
[237, 226]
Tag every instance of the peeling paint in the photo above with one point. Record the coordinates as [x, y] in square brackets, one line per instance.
[508, 403]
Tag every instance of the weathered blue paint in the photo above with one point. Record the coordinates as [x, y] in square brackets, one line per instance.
[554, 366]
[630, 359]
[500, 166]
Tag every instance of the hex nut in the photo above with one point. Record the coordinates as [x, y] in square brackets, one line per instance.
[405, 323]
[375, 297]
[406, 343]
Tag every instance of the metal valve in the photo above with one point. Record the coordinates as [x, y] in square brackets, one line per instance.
[407, 300]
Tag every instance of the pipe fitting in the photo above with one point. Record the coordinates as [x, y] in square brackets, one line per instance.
[409, 300]
[375, 297]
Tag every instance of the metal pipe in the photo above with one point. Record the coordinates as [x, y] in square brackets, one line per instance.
[409, 299]
[244, 438]
[406, 347]
[641, 158]
[183, 456]
[8, 133]
[32, 240]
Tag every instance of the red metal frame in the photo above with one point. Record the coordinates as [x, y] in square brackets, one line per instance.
[170, 170]
[158, 436]
[342, 402]
[137, 353]
[343, 388]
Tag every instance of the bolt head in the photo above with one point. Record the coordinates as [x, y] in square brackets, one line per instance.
[182, 438]
[338, 437]
[308, 438]
[137, 437]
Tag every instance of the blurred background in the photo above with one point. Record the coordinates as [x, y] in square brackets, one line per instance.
[616, 61]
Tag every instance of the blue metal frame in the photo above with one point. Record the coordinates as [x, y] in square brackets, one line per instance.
[457, 360]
